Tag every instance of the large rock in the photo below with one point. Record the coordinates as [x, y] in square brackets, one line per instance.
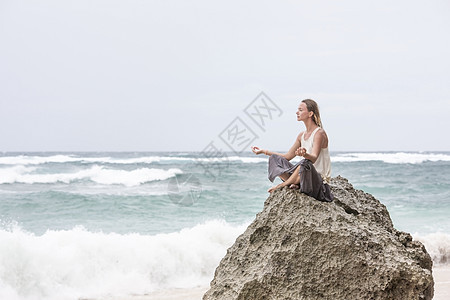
[301, 248]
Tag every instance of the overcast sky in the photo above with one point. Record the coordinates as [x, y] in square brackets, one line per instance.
[174, 75]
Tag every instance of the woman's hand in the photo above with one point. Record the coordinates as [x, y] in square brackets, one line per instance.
[300, 151]
[256, 150]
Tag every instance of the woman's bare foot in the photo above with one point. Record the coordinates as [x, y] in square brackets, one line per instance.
[274, 188]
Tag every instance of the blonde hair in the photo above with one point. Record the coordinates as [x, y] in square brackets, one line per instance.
[311, 105]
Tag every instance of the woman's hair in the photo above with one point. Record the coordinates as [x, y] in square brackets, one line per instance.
[311, 105]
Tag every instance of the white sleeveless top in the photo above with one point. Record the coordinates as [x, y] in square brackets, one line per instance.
[323, 162]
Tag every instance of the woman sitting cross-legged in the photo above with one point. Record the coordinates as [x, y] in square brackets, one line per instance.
[312, 174]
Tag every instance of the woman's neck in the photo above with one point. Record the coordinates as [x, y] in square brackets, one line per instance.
[310, 125]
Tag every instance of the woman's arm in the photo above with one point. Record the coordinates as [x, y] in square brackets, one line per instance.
[289, 155]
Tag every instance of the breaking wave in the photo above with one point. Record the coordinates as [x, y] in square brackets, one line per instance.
[391, 158]
[98, 174]
[74, 264]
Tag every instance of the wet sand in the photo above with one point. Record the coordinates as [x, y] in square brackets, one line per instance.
[441, 290]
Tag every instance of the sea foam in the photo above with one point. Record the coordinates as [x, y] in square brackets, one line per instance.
[391, 158]
[60, 158]
[98, 174]
[387, 157]
[437, 245]
[77, 263]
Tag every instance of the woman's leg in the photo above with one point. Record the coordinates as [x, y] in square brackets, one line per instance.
[278, 165]
[293, 178]
[284, 176]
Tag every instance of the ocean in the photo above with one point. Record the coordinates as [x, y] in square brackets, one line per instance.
[92, 225]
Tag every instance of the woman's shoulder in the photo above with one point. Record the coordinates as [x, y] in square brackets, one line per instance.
[321, 131]
[321, 134]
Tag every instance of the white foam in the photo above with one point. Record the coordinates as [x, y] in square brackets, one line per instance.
[77, 263]
[9, 175]
[250, 160]
[392, 158]
[199, 158]
[74, 264]
[37, 160]
[132, 178]
[99, 174]
[395, 158]
[437, 245]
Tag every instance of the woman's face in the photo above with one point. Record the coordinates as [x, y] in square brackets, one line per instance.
[302, 112]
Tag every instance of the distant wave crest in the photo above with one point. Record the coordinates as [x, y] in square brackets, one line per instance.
[37, 160]
[98, 174]
[348, 157]
[391, 158]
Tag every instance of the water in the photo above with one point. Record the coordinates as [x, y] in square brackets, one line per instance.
[78, 225]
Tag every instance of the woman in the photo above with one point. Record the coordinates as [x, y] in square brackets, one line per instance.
[312, 174]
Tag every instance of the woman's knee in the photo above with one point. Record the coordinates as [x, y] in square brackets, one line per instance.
[273, 156]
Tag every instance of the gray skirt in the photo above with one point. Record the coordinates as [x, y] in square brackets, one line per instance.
[311, 182]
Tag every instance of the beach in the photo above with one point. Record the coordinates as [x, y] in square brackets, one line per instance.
[441, 277]
[173, 294]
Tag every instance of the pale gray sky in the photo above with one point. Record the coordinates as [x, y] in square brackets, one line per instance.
[171, 75]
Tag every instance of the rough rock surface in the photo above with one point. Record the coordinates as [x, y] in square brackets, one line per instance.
[301, 248]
